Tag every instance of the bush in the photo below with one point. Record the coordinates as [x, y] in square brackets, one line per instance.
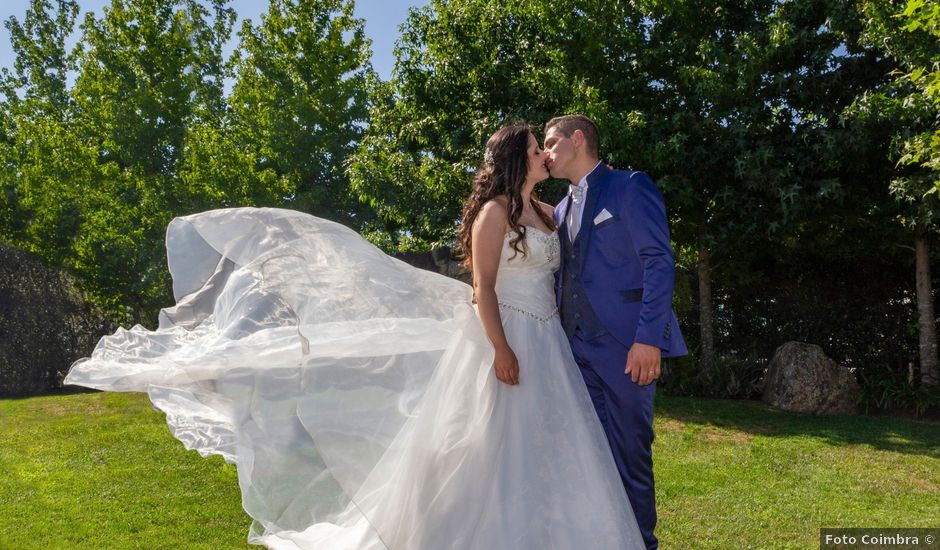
[44, 325]
[731, 378]
[897, 393]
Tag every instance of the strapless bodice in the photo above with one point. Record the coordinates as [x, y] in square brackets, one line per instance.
[526, 282]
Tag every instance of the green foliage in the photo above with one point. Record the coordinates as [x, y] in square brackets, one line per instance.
[148, 72]
[716, 103]
[465, 68]
[922, 20]
[903, 32]
[897, 393]
[737, 111]
[39, 206]
[297, 109]
[732, 377]
[742, 83]
[92, 174]
[789, 139]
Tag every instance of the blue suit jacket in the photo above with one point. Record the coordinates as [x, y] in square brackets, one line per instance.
[623, 255]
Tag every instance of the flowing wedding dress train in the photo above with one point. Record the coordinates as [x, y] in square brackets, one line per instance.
[355, 394]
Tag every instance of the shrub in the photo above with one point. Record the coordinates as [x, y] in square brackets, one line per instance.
[44, 324]
[731, 378]
[896, 393]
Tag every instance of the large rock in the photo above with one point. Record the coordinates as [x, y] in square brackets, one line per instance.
[800, 378]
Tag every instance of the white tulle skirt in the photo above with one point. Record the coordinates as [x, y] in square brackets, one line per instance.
[356, 397]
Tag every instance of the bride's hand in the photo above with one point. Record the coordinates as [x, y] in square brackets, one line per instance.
[506, 366]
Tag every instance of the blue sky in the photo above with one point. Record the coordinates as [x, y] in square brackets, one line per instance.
[382, 19]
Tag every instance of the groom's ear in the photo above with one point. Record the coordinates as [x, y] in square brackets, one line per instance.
[577, 139]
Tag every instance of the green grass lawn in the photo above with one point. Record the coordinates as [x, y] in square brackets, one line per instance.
[101, 470]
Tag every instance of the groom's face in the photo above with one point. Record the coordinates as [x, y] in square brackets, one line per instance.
[561, 152]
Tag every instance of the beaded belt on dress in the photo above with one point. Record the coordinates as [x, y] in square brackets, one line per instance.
[535, 316]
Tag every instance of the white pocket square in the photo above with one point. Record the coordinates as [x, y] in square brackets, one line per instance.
[604, 215]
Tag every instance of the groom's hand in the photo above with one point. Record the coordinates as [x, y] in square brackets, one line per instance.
[643, 363]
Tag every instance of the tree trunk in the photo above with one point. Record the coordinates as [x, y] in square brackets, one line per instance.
[706, 316]
[926, 320]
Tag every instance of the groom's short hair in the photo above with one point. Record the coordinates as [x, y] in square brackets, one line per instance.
[567, 124]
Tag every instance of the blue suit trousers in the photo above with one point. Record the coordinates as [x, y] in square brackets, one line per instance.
[625, 410]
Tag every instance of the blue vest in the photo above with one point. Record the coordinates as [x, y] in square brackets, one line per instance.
[576, 311]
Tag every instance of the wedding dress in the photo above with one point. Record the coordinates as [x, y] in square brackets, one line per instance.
[355, 394]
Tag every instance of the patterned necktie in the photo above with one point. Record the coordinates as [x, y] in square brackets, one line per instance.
[577, 193]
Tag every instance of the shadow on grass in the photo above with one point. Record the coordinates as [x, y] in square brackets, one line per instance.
[756, 418]
[65, 390]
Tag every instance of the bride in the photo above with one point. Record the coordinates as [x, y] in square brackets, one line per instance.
[369, 405]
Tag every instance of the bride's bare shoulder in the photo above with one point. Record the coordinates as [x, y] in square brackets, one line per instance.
[499, 201]
[494, 213]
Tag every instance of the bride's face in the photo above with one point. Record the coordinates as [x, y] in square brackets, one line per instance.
[537, 157]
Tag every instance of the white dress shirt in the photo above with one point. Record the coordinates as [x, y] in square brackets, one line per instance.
[576, 208]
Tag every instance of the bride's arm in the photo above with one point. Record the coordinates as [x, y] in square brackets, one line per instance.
[487, 236]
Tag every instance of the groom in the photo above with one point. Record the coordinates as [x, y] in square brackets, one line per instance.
[614, 290]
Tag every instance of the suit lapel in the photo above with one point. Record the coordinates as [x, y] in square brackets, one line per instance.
[562, 218]
[562, 232]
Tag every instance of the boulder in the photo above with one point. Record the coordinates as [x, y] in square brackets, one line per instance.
[800, 378]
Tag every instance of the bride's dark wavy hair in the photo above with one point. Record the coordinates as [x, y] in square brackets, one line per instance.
[503, 172]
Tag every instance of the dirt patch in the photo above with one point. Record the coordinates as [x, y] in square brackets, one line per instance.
[711, 432]
[925, 485]
[89, 405]
[669, 425]
[719, 436]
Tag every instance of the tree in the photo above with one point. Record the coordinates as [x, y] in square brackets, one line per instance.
[298, 108]
[149, 70]
[742, 119]
[910, 105]
[39, 205]
[462, 70]
[727, 107]
[93, 174]
[922, 20]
